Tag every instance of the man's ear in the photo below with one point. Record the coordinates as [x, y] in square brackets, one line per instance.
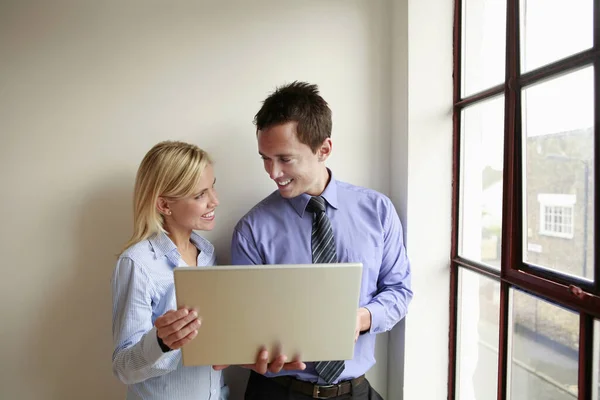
[325, 150]
[162, 205]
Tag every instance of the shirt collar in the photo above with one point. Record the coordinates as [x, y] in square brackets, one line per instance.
[161, 244]
[164, 246]
[329, 194]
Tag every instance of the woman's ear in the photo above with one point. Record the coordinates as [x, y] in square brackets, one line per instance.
[325, 150]
[162, 205]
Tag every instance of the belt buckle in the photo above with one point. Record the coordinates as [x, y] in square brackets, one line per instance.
[317, 391]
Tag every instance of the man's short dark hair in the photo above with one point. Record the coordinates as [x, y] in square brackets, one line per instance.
[299, 102]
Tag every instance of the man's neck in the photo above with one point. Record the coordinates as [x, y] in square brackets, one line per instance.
[324, 180]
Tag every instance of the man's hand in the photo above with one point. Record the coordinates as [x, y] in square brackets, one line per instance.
[363, 322]
[176, 328]
[262, 364]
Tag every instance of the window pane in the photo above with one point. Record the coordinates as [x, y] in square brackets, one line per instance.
[545, 347]
[481, 181]
[477, 336]
[554, 29]
[483, 40]
[558, 187]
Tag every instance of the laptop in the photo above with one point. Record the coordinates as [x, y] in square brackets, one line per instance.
[304, 310]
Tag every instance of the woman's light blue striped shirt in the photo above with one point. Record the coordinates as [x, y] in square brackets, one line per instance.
[143, 290]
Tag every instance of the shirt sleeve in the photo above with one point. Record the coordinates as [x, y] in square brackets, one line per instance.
[394, 292]
[137, 355]
[244, 250]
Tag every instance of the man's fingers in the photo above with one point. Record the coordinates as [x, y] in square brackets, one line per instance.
[276, 365]
[294, 366]
[261, 362]
[182, 342]
[170, 316]
[262, 366]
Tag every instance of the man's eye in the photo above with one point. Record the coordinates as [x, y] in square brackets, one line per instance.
[286, 160]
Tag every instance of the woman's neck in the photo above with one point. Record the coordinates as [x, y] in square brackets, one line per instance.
[180, 238]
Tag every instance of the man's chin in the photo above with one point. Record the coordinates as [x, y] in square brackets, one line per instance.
[286, 195]
[286, 192]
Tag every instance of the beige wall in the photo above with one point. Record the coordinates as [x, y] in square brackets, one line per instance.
[86, 90]
[421, 183]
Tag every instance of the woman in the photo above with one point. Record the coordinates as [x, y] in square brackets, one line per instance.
[174, 195]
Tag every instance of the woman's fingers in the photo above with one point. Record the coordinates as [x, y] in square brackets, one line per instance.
[182, 333]
[182, 342]
[177, 325]
[169, 317]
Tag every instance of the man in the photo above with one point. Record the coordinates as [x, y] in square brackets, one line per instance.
[323, 220]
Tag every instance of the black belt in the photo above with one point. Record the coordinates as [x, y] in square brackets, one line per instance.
[319, 391]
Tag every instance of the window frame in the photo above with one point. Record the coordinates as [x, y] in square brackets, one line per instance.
[576, 294]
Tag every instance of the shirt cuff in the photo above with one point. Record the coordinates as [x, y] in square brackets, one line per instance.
[150, 347]
[377, 318]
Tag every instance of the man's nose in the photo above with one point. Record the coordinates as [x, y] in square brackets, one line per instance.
[274, 171]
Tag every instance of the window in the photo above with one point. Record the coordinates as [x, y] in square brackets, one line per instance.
[525, 278]
[558, 221]
[556, 215]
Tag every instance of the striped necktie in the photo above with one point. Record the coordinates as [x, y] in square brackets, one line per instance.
[323, 251]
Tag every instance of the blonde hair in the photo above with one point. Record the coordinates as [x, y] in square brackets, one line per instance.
[171, 169]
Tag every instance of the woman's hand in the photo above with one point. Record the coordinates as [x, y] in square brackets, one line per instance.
[176, 328]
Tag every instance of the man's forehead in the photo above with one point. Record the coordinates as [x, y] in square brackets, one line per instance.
[279, 146]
